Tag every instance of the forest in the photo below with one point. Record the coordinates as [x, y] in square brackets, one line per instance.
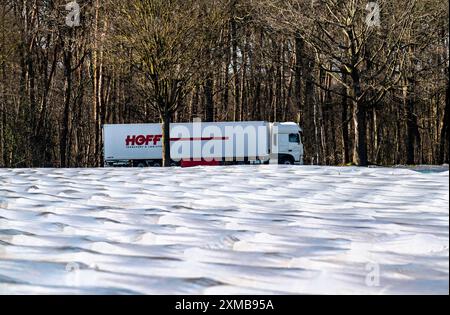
[368, 81]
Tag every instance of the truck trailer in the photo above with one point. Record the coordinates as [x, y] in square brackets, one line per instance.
[198, 143]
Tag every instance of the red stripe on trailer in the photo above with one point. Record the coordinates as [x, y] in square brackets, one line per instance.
[200, 139]
[191, 163]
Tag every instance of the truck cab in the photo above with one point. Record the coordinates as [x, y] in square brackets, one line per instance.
[287, 143]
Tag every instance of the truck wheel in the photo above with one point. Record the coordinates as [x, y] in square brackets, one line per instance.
[286, 161]
[141, 165]
[156, 164]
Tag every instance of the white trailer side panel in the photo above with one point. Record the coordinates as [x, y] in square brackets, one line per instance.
[117, 148]
[219, 140]
[226, 140]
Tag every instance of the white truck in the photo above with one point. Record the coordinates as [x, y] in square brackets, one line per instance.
[197, 143]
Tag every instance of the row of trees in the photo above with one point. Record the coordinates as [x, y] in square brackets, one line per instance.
[368, 81]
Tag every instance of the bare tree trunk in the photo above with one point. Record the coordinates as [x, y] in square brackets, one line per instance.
[360, 121]
[97, 68]
[299, 63]
[2, 117]
[278, 84]
[226, 93]
[64, 137]
[95, 87]
[243, 94]
[209, 99]
[193, 105]
[311, 128]
[166, 119]
[444, 152]
[237, 86]
[345, 123]
[376, 136]
[413, 136]
[360, 157]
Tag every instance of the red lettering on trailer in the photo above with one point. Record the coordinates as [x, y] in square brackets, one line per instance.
[142, 140]
[131, 140]
[156, 139]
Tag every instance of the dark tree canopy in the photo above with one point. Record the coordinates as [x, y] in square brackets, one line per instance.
[367, 80]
